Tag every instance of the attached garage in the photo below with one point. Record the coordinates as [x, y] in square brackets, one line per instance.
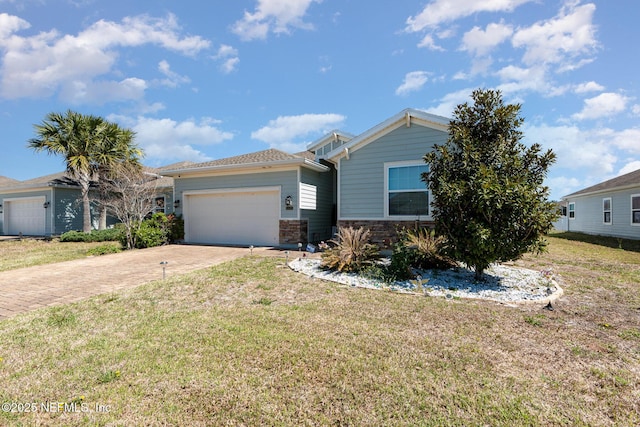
[233, 217]
[24, 215]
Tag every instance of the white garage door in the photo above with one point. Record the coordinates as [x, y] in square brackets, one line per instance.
[233, 218]
[24, 215]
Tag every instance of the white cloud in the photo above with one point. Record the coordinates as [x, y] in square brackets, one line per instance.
[450, 101]
[229, 57]
[603, 105]
[626, 139]
[438, 12]
[102, 92]
[167, 139]
[283, 132]
[561, 39]
[588, 87]
[172, 79]
[277, 16]
[587, 151]
[413, 81]
[428, 42]
[629, 167]
[42, 64]
[10, 24]
[480, 42]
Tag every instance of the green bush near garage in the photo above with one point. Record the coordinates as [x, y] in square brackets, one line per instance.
[108, 235]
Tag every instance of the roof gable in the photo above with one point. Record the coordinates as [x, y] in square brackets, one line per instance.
[332, 136]
[630, 179]
[406, 117]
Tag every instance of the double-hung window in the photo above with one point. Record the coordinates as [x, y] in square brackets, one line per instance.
[572, 210]
[635, 209]
[606, 210]
[406, 194]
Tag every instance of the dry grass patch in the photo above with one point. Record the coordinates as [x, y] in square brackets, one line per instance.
[29, 252]
[202, 349]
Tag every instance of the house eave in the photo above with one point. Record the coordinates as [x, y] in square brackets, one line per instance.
[601, 191]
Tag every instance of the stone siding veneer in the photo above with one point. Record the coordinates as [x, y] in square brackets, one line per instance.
[384, 233]
[293, 232]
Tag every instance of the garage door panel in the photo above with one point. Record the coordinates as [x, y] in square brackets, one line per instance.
[26, 216]
[238, 218]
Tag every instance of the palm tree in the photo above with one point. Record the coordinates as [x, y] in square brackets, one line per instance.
[88, 144]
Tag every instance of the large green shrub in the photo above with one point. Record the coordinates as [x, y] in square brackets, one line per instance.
[158, 230]
[352, 251]
[490, 201]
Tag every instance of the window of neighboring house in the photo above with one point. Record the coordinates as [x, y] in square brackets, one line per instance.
[572, 210]
[606, 210]
[635, 209]
[407, 194]
[159, 205]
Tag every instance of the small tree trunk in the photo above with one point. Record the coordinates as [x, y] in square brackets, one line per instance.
[103, 219]
[479, 272]
[86, 206]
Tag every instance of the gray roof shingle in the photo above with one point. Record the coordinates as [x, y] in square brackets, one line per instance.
[626, 180]
[264, 156]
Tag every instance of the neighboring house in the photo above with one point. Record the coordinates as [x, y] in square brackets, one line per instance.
[611, 208]
[52, 204]
[278, 199]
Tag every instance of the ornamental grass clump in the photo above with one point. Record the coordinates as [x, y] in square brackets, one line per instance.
[352, 251]
[420, 248]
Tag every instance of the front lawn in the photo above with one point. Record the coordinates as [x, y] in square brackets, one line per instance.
[29, 252]
[252, 343]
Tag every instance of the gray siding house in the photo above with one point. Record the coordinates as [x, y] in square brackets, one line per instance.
[266, 198]
[273, 198]
[52, 204]
[378, 172]
[610, 208]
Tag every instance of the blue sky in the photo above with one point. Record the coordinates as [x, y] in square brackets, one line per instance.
[206, 80]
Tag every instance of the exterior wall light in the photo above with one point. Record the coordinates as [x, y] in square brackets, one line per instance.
[288, 202]
[46, 204]
[176, 204]
[0, 208]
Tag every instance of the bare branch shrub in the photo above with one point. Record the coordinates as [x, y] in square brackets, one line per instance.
[128, 193]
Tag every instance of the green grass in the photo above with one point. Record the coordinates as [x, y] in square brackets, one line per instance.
[252, 343]
[29, 252]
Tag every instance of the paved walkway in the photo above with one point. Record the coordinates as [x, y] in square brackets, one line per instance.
[31, 288]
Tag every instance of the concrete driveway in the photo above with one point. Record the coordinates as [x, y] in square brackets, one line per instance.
[31, 288]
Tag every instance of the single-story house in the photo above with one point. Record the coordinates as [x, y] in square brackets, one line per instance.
[52, 204]
[610, 208]
[278, 199]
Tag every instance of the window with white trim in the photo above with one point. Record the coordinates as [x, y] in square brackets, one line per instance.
[572, 210]
[635, 209]
[406, 193]
[606, 210]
